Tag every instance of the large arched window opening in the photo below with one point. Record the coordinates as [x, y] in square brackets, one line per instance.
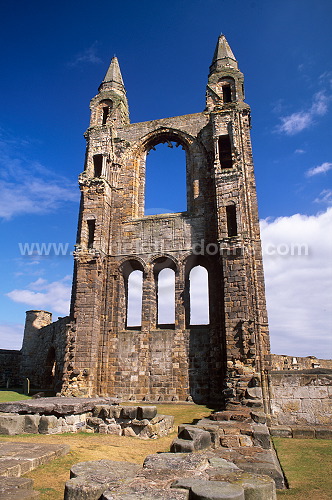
[134, 299]
[165, 179]
[199, 296]
[166, 297]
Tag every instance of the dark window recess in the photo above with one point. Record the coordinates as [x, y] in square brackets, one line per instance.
[91, 232]
[231, 220]
[226, 93]
[225, 151]
[98, 165]
[106, 111]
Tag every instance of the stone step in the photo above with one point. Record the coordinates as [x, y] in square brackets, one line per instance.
[17, 488]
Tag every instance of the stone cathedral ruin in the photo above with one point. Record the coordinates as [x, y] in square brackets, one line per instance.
[100, 353]
[96, 351]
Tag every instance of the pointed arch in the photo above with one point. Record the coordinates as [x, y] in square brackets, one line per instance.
[199, 296]
[133, 274]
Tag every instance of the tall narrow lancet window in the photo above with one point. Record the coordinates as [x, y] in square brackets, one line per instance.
[231, 220]
[199, 296]
[106, 112]
[134, 299]
[165, 179]
[226, 93]
[166, 297]
[225, 151]
[91, 232]
[97, 165]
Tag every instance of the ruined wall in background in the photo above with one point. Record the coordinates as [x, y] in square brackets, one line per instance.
[43, 350]
[284, 362]
[10, 362]
[302, 397]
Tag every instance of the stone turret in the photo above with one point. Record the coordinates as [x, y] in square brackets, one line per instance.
[225, 83]
[110, 106]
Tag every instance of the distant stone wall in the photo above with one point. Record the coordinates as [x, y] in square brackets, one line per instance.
[283, 362]
[10, 362]
[43, 350]
[302, 397]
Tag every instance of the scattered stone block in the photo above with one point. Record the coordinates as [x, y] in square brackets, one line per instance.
[258, 417]
[261, 436]
[200, 437]
[89, 480]
[177, 462]
[182, 446]
[11, 424]
[129, 431]
[31, 424]
[254, 393]
[245, 440]
[323, 433]
[281, 431]
[211, 490]
[48, 424]
[303, 432]
[224, 465]
[148, 412]
[230, 441]
[129, 412]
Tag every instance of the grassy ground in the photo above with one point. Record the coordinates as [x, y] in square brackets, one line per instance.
[306, 463]
[11, 396]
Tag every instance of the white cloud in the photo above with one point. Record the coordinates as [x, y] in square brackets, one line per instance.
[26, 187]
[11, 335]
[299, 287]
[88, 55]
[40, 294]
[320, 169]
[296, 122]
[34, 197]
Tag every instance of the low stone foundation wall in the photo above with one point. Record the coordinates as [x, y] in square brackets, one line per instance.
[236, 460]
[302, 397]
[58, 415]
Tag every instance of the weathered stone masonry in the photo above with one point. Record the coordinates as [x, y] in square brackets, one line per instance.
[206, 362]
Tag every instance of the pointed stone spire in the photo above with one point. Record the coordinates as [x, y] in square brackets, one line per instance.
[223, 56]
[113, 78]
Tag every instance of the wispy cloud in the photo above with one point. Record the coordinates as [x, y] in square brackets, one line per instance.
[324, 197]
[11, 335]
[27, 187]
[87, 56]
[320, 169]
[296, 122]
[40, 294]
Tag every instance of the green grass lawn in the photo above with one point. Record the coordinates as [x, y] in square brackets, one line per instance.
[11, 396]
[307, 463]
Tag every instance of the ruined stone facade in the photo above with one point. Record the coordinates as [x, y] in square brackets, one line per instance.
[43, 350]
[210, 362]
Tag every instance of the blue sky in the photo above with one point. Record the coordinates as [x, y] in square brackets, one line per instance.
[54, 56]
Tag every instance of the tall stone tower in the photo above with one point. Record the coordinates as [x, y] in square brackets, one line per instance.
[219, 231]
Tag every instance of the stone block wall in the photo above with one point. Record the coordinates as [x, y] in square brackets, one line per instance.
[135, 421]
[43, 350]
[302, 397]
[10, 362]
